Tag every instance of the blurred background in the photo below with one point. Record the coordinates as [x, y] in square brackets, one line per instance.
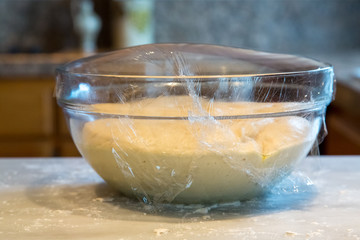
[38, 35]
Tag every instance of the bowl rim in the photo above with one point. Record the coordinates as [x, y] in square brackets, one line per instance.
[65, 68]
[60, 70]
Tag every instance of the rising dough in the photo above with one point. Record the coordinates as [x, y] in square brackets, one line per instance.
[198, 159]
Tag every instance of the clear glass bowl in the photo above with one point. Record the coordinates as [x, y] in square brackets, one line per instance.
[194, 123]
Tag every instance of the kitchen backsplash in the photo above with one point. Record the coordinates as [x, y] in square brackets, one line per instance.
[271, 25]
[35, 26]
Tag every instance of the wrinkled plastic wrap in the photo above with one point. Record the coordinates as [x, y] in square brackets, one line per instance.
[194, 123]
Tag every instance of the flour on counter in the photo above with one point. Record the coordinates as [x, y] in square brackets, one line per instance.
[160, 231]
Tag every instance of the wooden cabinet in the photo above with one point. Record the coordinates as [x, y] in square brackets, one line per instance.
[27, 147]
[27, 108]
[343, 123]
[31, 123]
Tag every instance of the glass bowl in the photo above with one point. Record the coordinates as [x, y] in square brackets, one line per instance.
[191, 123]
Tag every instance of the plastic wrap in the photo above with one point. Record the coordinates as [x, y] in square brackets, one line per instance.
[194, 123]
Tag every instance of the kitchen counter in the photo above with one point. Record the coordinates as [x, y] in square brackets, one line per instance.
[63, 198]
[22, 64]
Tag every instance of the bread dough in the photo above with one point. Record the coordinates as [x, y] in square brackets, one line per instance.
[198, 159]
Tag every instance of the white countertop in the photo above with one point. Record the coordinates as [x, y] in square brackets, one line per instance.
[63, 198]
